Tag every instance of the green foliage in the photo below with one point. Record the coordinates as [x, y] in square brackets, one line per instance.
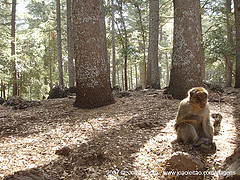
[136, 18]
[37, 44]
[215, 41]
[216, 45]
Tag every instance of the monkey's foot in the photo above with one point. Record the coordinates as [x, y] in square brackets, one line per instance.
[208, 148]
[201, 141]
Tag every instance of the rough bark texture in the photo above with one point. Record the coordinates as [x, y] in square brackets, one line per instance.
[113, 46]
[187, 59]
[70, 44]
[92, 78]
[153, 43]
[237, 25]
[13, 48]
[59, 42]
[229, 62]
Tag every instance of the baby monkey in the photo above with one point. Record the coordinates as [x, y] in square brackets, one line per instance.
[193, 119]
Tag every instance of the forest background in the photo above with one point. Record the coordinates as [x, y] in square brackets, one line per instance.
[34, 64]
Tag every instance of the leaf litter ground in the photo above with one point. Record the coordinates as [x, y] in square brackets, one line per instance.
[131, 139]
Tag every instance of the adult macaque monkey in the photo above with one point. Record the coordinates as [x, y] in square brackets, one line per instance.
[193, 119]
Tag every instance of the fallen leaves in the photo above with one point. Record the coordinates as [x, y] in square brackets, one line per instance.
[130, 139]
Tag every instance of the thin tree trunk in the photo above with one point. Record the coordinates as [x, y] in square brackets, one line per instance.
[70, 44]
[3, 94]
[59, 42]
[50, 75]
[125, 45]
[125, 73]
[1, 88]
[136, 76]
[118, 76]
[13, 48]
[153, 75]
[237, 26]
[229, 62]
[122, 78]
[131, 78]
[167, 64]
[113, 46]
[142, 64]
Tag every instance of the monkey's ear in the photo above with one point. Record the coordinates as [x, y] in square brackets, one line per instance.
[191, 92]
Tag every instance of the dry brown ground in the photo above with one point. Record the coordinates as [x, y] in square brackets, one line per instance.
[130, 139]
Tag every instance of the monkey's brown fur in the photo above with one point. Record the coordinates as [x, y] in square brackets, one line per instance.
[193, 118]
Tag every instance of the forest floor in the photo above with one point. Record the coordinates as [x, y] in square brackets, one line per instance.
[130, 139]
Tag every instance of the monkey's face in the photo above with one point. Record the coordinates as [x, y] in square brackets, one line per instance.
[199, 96]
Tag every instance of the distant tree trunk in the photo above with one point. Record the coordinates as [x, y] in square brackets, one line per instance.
[1, 88]
[3, 93]
[59, 42]
[229, 62]
[122, 76]
[113, 46]
[136, 75]
[167, 67]
[142, 46]
[131, 78]
[118, 76]
[50, 75]
[70, 44]
[124, 44]
[149, 73]
[13, 48]
[237, 25]
[187, 58]
[142, 68]
[153, 76]
[92, 74]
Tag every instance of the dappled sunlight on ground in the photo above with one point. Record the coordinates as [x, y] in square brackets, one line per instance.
[131, 139]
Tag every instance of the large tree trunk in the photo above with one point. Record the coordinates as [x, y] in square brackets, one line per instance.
[153, 76]
[229, 62]
[92, 75]
[187, 59]
[13, 48]
[113, 46]
[70, 44]
[59, 42]
[237, 25]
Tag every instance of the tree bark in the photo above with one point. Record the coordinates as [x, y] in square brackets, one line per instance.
[229, 61]
[153, 74]
[237, 26]
[70, 44]
[92, 75]
[167, 67]
[13, 48]
[113, 46]
[124, 44]
[59, 42]
[187, 58]
[142, 46]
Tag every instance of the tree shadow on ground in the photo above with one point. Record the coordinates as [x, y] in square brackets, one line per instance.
[111, 152]
[33, 120]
